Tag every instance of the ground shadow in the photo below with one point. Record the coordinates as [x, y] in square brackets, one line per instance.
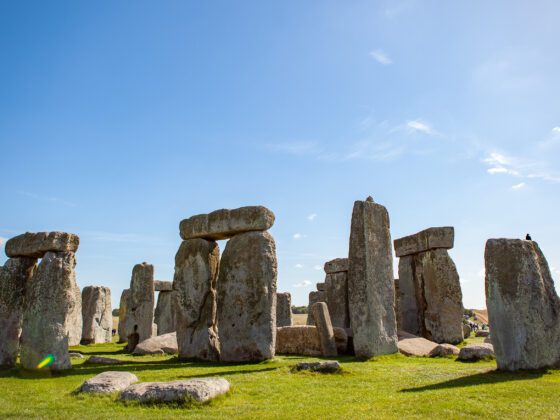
[491, 377]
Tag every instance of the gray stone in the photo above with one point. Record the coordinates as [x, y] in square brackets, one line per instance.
[140, 317]
[163, 286]
[100, 360]
[304, 340]
[482, 333]
[50, 323]
[326, 366]
[411, 345]
[337, 298]
[165, 313]
[283, 309]
[35, 245]
[473, 352]
[223, 224]
[108, 382]
[466, 331]
[199, 390]
[371, 292]
[337, 265]
[161, 344]
[15, 276]
[247, 298]
[325, 329]
[444, 350]
[75, 355]
[196, 273]
[124, 306]
[432, 238]
[523, 307]
[314, 297]
[397, 305]
[321, 287]
[97, 315]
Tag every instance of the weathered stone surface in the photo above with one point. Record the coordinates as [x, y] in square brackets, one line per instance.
[75, 355]
[371, 293]
[108, 382]
[124, 309]
[432, 238]
[304, 340]
[337, 298]
[523, 307]
[324, 328]
[444, 350]
[482, 333]
[99, 360]
[411, 345]
[314, 297]
[430, 296]
[336, 266]
[283, 309]
[161, 344]
[140, 316]
[247, 298]
[326, 366]
[97, 315]
[49, 321]
[163, 286]
[473, 352]
[35, 245]
[223, 224]
[194, 285]
[15, 276]
[321, 287]
[165, 313]
[466, 331]
[199, 390]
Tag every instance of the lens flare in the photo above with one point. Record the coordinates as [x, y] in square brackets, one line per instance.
[46, 361]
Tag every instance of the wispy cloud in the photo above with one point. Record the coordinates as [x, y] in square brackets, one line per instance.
[45, 198]
[2, 241]
[298, 236]
[312, 217]
[381, 57]
[552, 141]
[304, 284]
[297, 148]
[318, 267]
[500, 163]
[298, 266]
[420, 126]
[518, 186]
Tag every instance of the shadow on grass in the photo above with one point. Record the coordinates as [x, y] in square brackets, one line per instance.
[492, 377]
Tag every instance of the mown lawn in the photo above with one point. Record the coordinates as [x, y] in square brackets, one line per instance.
[387, 387]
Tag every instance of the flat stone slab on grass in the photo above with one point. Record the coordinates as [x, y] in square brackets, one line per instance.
[444, 350]
[223, 224]
[327, 366]
[75, 355]
[108, 382]
[35, 245]
[473, 352]
[431, 238]
[411, 345]
[98, 360]
[161, 344]
[199, 390]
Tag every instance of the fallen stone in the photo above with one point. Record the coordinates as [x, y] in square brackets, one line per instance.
[224, 224]
[473, 352]
[108, 382]
[482, 333]
[196, 273]
[523, 307]
[199, 390]
[163, 286]
[304, 340]
[74, 355]
[283, 309]
[337, 298]
[161, 344]
[247, 298]
[327, 366]
[337, 265]
[432, 238]
[97, 315]
[325, 329]
[124, 306]
[444, 350]
[371, 292]
[314, 297]
[411, 345]
[165, 313]
[99, 360]
[36, 245]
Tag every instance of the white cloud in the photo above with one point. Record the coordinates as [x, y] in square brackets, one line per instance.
[3, 240]
[420, 126]
[312, 217]
[521, 168]
[299, 236]
[518, 186]
[556, 130]
[304, 284]
[298, 266]
[317, 267]
[381, 57]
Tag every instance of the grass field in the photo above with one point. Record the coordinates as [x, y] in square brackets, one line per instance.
[388, 387]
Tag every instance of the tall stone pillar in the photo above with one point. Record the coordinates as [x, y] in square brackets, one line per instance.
[337, 291]
[124, 306]
[97, 315]
[165, 313]
[140, 322]
[283, 309]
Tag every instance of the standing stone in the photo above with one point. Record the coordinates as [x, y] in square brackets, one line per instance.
[325, 329]
[164, 315]
[283, 309]
[337, 298]
[97, 315]
[247, 298]
[194, 285]
[15, 276]
[124, 306]
[314, 297]
[49, 310]
[410, 295]
[397, 305]
[371, 292]
[141, 312]
[523, 307]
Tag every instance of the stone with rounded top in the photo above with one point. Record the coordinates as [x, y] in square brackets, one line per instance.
[108, 382]
[37, 244]
[474, 352]
[97, 315]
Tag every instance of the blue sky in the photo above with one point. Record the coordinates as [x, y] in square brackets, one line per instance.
[119, 119]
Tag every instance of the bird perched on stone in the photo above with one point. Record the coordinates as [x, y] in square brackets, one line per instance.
[528, 237]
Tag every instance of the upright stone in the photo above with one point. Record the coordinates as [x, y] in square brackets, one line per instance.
[283, 310]
[371, 291]
[141, 311]
[194, 285]
[124, 306]
[165, 314]
[51, 303]
[337, 298]
[411, 302]
[97, 315]
[15, 276]
[325, 329]
[247, 298]
[523, 307]
[314, 297]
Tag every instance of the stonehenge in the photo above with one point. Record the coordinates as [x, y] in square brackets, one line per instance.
[283, 310]
[164, 314]
[123, 315]
[325, 329]
[336, 282]
[140, 310]
[314, 297]
[523, 306]
[430, 299]
[97, 315]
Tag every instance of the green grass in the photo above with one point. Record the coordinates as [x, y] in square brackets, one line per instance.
[388, 387]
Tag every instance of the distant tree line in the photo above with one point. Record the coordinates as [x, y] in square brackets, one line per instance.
[299, 309]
